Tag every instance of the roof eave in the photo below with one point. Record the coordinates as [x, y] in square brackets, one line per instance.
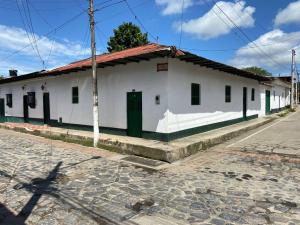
[198, 60]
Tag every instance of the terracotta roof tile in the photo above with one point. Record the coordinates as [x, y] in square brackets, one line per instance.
[108, 57]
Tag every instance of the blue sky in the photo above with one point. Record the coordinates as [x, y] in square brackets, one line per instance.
[239, 33]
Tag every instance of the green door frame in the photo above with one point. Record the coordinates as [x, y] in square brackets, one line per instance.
[2, 110]
[134, 114]
[268, 102]
[244, 102]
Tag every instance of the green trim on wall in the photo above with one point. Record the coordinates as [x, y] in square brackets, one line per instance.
[14, 119]
[145, 134]
[205, 128]
[36, 121]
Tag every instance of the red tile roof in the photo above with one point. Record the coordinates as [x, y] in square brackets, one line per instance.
[136, 54]
[109, 57]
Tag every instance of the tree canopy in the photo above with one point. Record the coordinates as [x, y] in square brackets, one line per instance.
[127, 35]
[258, 70]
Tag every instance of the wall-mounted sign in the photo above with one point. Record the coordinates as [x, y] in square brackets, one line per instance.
[162, 67]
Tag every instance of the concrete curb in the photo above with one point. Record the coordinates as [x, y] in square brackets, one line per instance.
[208, 143]
[170, 154]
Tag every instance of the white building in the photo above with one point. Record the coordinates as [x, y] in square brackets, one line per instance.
[152, 91]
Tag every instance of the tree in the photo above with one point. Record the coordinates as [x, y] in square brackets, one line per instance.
[258, 70]
[1, 77]
[127, 35]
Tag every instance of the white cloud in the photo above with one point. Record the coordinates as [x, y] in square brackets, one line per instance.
[210, 25]
[174, 6]
[291, 14]
[13, 39]
[276, 44]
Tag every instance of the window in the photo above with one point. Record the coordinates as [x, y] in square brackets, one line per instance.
[252, 94]
[9, 102]
[274, 95]
[75, 96]
[195, 94]
[227, 93]
[31, 99]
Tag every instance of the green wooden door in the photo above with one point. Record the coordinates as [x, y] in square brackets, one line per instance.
[2, 110]
[244, 102]
[25, 108]
[46, 107]
[268, 102]
[134, 114]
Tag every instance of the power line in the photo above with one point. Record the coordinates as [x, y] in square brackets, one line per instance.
[245, 35]
[106, 6]
[49, 24]
[33, 33]
[40, 15]
[46, 35]
[181, 23]
[225, 22]
[139, 21]
[122, 12]
[258, 23]
[25, 28]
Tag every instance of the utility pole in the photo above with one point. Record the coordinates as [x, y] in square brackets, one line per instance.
[292, 77]
[94, 72]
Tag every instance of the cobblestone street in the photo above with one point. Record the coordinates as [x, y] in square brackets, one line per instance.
[244, 181]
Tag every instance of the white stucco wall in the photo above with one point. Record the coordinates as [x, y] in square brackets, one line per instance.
[279, 96]
[174, 113]
[113, 83]
[19, 89]
[213, 108]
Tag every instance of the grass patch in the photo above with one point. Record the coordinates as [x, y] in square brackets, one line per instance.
[286, 112]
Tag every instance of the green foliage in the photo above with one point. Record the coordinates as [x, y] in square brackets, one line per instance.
[1, 77]
[127, 35]
[258, 70]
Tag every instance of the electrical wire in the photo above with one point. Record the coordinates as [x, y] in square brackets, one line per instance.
[181, 23]
[32, 31]
[45, 35]
[246, 36]
[225, 22]
[123, 12]
[257, 22]
[139, 21]
[26, 31]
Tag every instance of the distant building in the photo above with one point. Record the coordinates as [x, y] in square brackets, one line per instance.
[152, 91]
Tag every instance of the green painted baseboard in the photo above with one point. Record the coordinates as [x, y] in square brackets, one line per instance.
[205, 128]
[145, 134]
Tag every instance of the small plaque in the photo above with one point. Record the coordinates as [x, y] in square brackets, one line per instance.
[162, 67]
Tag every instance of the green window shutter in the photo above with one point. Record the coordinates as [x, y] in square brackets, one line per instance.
[227, 93]
[75, 95]
[252, 94]
[195, 94]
